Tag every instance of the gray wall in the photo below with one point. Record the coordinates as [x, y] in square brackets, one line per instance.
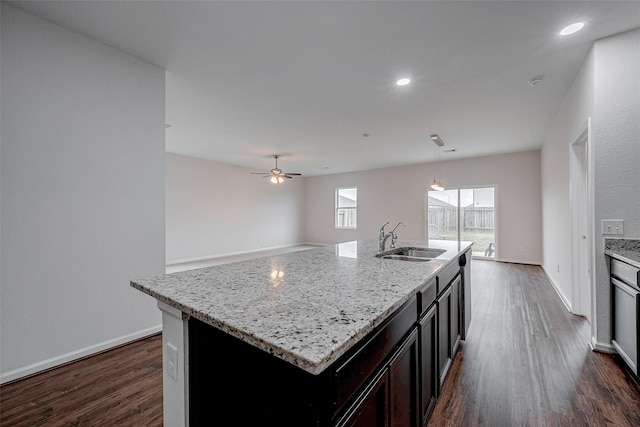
[216, 209]
[398, 194]
[82, 194]
[616, 136]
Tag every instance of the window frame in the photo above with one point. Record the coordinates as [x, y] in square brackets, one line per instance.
[352, 208]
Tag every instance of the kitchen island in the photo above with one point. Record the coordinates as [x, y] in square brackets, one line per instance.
[328, 336]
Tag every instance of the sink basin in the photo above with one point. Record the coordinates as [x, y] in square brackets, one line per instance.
[411, 254]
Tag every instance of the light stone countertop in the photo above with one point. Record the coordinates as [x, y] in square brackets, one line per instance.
[308, 307]
[627, 250]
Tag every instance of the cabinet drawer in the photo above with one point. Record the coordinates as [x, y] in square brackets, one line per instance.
[447, 275]
[352, 372]
[625, 272]
[426, 296]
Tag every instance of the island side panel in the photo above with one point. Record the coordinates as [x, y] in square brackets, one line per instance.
[465, 269]
[231, 380]
[175, 366]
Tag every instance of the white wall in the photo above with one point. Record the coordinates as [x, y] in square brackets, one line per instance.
[608, 90]
[576, 109]
[616, 135]
[398, 194]
[82, 194]
[215, 208]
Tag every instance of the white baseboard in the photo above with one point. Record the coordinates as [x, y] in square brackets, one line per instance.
[203, 258]
[53, 362]
[561, 294]
[602, 347]
[516, 261]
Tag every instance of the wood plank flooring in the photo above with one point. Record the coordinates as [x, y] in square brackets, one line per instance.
[526, 362]
[121, 387]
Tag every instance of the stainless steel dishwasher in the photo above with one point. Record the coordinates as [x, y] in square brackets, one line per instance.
[625, 287]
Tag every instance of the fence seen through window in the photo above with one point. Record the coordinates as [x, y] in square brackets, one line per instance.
[346, 207]
[472, 208]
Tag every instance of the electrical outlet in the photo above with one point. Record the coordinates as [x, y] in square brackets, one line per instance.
[612, 226]
[172, 361]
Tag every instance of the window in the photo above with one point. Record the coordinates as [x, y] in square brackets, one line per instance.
[346, 207]
[466, 214]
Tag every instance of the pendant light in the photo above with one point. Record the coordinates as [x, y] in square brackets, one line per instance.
[437, 156]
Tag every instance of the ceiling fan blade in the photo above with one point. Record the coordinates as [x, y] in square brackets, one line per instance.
[295, 174]
[286, 176]
[259, 173]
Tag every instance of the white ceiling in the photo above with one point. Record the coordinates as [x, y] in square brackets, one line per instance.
[307, 79]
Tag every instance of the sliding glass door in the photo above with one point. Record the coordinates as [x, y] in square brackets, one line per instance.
[466, 214]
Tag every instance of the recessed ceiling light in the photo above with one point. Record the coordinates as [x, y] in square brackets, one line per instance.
[403, 82]
[570, 29]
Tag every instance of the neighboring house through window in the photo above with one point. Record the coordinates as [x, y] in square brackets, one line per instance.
[346, 207]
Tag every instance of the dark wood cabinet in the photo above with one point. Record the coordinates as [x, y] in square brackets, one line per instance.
[465, 293]
[403, 383]
[392, 397]
[443, 304]
[448, 306]
[428, 363]
[455, 315]
[372, 408]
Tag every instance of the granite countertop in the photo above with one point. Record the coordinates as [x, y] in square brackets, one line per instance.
[627, 250]
[307, 307]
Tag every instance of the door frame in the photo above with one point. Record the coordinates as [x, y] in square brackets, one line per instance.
[582, 223]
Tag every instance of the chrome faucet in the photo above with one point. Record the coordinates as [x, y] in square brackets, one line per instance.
[394, 236]
[382, 238]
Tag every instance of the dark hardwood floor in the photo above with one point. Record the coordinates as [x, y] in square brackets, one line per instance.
[121, 387]
[526, 362]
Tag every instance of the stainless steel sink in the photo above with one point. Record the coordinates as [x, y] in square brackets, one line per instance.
[411, 254]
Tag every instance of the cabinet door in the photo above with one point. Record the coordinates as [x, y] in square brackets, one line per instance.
[444, 333]
[626, 304]
[428, 363]
[403, 383]
[372, 407]
[455, 315]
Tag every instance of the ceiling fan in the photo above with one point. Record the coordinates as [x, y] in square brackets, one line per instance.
[277, 175]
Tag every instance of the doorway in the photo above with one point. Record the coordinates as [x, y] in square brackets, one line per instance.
[582, 220]
[466, 214]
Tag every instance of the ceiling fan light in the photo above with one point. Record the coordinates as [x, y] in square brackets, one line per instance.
[280, 180]
[274, 179]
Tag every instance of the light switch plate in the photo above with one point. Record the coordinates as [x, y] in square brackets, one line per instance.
[172, 361]
[612, 226]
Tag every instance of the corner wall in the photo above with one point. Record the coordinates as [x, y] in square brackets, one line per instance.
[607, 89]
[216, 209]
[616, 135]
[398, 194]
[82, 194]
